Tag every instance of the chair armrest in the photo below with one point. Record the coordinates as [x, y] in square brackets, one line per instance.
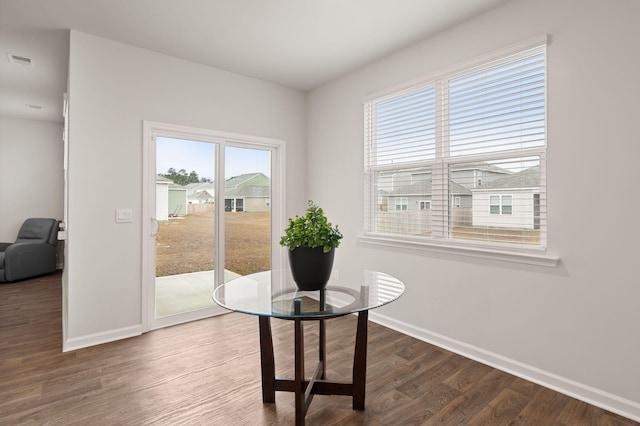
[28, 259]
[3, 246]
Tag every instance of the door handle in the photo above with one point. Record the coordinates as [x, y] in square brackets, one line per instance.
[154, 227]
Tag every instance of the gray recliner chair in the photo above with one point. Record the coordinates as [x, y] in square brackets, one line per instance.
[33, 253]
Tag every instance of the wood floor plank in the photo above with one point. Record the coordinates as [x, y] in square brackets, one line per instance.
[432, 375]
[466, 377]
[503, 409]
[466, 406]
[546, 405]
[208, 373]
[579, 413]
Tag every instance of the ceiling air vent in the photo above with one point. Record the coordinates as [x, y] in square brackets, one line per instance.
[20, 60]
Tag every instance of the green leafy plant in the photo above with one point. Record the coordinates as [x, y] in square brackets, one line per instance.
[311, 230]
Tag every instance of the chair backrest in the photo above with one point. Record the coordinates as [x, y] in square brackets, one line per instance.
[39, 229]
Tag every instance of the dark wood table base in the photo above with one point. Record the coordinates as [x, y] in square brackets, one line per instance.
[303, 388]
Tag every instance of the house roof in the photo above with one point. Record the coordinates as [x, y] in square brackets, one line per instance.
[248, 185]
[162, 179]
[457, 189]
[527, 178]
[203, 194]
[480, 165]
[423, 187]
[246, 179]
[196, 186]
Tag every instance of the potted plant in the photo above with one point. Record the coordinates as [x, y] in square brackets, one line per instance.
[311, 240]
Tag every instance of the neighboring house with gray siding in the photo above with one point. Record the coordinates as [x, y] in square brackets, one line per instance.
[512, 201]
[200, 192]
[418, 196]
[477, 174]
[249, 192]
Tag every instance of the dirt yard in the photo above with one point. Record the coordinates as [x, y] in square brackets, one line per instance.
[187, 244]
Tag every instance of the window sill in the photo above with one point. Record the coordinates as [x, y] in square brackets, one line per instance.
[536, 257]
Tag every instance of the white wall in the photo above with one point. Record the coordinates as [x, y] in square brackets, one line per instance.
[112, 89]
[31, 172]
[575, 327]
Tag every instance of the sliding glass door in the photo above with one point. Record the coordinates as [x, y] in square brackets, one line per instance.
[210, 217]
[185, 218]
[247, 211]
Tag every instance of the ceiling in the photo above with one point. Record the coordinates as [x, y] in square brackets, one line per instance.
[300, 44]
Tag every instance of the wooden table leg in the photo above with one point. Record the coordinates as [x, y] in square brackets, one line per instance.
[299, 385]
[322, 338]
[360, 361]
[322, 349]
[267, 360]
[304, 390]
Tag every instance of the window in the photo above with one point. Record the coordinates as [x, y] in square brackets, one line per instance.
[505, 201]
[424, 205]
[494, 206]
[470, 140]
[500, 204]
[401, 203]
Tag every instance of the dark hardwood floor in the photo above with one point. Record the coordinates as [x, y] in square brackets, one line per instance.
[208, 373]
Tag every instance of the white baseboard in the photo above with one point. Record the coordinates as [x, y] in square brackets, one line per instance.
[588, 394]
[100, 338]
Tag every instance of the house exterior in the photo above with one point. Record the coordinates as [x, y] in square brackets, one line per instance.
[249, 192]
[162, 197]
[177, 200]
[405, 203]
[418, 196]
[480, 194]
[475, 175]
[171, 199]
[512, 201]
[200, 192]
[412, 190]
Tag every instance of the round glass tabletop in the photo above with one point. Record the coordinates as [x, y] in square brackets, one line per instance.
[267, 294]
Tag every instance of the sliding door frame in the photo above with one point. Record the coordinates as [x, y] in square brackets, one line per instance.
[153, 130]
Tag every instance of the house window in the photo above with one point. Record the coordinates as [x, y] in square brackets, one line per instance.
[477, 131]
[494, 207]
[501, 204]
[424, 205]
[401, 203]
[506, 204]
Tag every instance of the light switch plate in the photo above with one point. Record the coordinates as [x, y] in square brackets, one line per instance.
[124, 215]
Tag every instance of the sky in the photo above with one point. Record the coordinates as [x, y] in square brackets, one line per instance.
[199, 156]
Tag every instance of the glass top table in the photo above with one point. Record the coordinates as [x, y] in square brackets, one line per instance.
[266, 294]
[269, 295]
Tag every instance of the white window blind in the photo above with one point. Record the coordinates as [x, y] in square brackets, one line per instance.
[470, 143]
[406, 127]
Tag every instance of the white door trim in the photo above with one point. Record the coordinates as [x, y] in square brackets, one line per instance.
[152, 130]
